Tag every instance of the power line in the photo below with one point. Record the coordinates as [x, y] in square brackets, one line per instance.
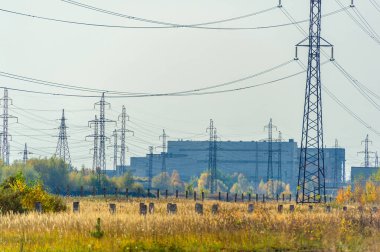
[160, 94]
[359, 24]
[375, 5]
[159, 27]
[167, 24]
[114, 92]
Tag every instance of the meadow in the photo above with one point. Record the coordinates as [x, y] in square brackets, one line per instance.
[233, 228]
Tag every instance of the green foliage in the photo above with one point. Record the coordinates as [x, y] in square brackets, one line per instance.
[18, 197]
[98, 233]
[161, 181]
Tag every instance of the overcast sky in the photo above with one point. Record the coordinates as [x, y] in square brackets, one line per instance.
[166, 60]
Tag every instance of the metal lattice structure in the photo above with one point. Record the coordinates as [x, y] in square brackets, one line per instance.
[62, 151]
[212, 157]
[6, 137]
[25, 154]
[115, 149]
[270, 176]
[102, 134]
[279, 167]
[150, 167]
[311, 177]
[95, 150]
[336, 166]
[164, 151]
[366, 152]
[123, 117]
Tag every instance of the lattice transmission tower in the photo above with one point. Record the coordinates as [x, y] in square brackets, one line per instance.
[164, 137]
[366, 152]
[336, 166]
[279, 167]
[102, 134]
[25, 154]
[123, 117]
[95, 150]
[150, 167]
[270, 176]
[115, 147]
[311, 177]
[5, 150]
[212, 157]
[62, 151]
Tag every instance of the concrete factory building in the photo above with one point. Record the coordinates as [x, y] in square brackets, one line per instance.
[190, 158]
[362, 174]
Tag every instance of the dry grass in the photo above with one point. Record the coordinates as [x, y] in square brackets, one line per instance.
[232, 229]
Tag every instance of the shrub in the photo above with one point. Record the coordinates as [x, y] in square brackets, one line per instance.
[18, 197]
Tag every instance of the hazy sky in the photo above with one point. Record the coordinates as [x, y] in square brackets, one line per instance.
[166, 60]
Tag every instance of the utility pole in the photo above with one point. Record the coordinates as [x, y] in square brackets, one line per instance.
[366, 151]
[212, 149]
[62, 150]
[123, 117]
[25, 154]
[150, 167]
[164, 150]
[95, 158]
[5, 134]
[311, 177]
[270, 128]
[102, 134]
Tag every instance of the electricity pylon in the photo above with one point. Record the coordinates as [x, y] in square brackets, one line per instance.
[270, 181]
[150, 167]
[336, 165]
[366, 152]
[123, 117]
[95, 158]
[25, 154]
[164, 151]
[102, 133]
[62, 150]
[212, 157]
[5, 134]
[311, 177]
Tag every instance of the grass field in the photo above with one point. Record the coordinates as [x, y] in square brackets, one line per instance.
[232, 229]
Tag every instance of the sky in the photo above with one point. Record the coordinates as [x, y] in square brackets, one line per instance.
[176, 59]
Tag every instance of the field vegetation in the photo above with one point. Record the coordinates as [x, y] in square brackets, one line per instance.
[95, 228]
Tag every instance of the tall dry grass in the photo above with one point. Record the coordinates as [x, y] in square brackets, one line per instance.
[233, 228]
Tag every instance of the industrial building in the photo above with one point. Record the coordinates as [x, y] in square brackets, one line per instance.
[362, 174]
[190, 158]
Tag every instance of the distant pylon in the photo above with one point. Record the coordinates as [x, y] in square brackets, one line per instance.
[115, 149]
[311, 177]
[123, 117]
[336, 165]
[150, 167]
[95, 150]
[366, 152]
[25, 154]
[279, 167]
[62, 150]
[212, 156]
[102, 133]
[376, 160]
[5, 134]
[270, 128]
[164, 150]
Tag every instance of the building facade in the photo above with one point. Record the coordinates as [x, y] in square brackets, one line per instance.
[190, 158]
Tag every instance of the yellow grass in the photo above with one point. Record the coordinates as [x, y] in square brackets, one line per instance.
[232, 229]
